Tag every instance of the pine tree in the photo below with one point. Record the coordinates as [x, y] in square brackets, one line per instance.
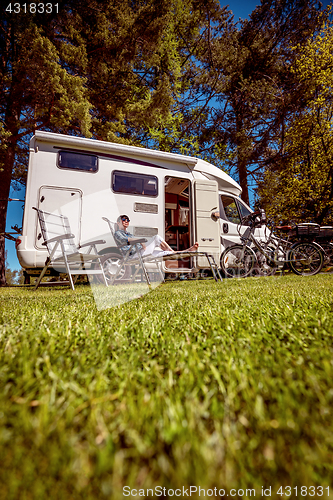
[39, 89]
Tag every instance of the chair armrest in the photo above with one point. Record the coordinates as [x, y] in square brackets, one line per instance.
[90, 243]
[133, 241]
[59, 238]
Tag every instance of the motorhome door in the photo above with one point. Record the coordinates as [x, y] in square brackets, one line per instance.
[61, 201]
[207, 229]
[232, 210]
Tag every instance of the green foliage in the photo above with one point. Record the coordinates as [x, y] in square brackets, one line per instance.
[197, 383]
[13, 277]
[249, 74]
[38, 86]
[148, 70]
[303, 182]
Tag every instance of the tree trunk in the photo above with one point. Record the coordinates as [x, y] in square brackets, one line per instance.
[241, 142]
[7, 159]
[242, 172]
[5, 181]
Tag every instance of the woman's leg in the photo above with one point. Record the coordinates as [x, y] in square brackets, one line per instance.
[156, 242]
[193, 248]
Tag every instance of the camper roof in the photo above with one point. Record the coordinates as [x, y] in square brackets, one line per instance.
[225, 182]
[109, 147]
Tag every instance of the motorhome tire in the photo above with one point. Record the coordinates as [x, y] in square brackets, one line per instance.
[26, 278]
[171, 276]
[110, 263]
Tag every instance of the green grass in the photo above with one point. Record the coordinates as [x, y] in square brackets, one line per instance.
[197, 383]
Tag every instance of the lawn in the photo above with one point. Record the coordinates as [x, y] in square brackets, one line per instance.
[218, 385]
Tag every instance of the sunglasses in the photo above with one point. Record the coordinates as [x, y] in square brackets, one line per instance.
[125, 219]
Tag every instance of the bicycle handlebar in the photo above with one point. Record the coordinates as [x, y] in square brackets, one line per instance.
[260, 214]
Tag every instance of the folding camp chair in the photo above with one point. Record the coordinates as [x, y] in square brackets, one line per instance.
[64, 255]
[135, 258]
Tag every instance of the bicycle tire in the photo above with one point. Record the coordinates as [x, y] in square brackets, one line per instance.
[263, 266]
[237, 261]
[306, 258]
[328, 253]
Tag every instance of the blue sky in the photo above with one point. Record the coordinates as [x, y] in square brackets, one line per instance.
[240, 9]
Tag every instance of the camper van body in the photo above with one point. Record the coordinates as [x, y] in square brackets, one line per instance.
[162, 193]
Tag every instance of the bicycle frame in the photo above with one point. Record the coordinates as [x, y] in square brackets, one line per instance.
[280, 245]
[303, 258]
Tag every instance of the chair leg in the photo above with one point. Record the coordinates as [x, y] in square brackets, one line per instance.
[113, 279]
[144, 269]
[47, 263]
[70, 278]
[101, 268]
[67, 266]
[158, 265]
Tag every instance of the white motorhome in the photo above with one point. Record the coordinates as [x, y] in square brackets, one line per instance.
[162, 193]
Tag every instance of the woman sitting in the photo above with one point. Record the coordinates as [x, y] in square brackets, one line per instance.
[157, 247]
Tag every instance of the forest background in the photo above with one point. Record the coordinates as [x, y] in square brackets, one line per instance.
[252, 97]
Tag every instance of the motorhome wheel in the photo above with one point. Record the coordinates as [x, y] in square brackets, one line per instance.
[111, 263]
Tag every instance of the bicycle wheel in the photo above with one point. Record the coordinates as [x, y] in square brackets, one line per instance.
[328, 253]
[262, 266]
[237, 261]
[305, 258]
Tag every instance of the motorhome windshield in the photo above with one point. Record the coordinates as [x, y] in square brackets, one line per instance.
[234, 209]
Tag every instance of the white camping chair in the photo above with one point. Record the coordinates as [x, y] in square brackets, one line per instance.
[132, 257]
[64, 255]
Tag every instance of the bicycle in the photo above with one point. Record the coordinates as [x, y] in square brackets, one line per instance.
[328, 253]
[322, 235]
[324, 240]
[240, 260]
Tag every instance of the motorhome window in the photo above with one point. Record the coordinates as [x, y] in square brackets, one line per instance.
[139, 184]
[230, 209]
[77, 161]
[244, 211]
